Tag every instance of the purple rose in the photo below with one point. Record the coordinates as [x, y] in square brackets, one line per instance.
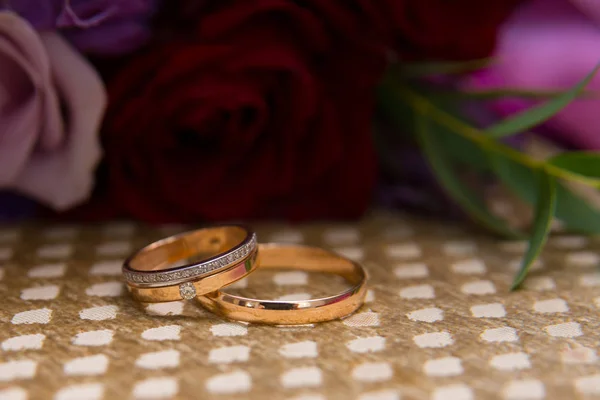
[51, 105]
[550, 45]
[103, 27]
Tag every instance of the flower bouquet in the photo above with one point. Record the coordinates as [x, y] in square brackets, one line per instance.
[191, 111]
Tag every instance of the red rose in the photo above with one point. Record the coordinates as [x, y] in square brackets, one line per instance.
[441, 29]
[265, 111]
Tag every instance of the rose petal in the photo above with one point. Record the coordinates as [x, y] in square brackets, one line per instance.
[64, 178]
[112, 26]
[25, 72]
[549, 44]
[589, 7]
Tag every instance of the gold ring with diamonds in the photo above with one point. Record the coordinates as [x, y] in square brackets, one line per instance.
[191, 264]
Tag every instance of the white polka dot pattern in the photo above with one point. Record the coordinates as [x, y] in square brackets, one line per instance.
[447, 366]
[504, 334]
[170, 332]
[373, 372]
[353, 253]
[433, 340]
[411, 271]
[112, 249]
[479, 288]
[578, 355]
[40, 293]
[418, 292]
[93, 338]
[469, 267]
[511, 361]
[426, 315]
[299, 350]
[229, 330]
[92, 365]
[156, 388]
[159, 360]
[106, 289]
[455, 392]
[15, 370]
[588, 385]
[55, 251]
[567, 329]
[13, 393]
[41, 316]
[404, 251]
[99, 313]
[439, 321]
[88, 391]
[228, 355]
[524, 390]
[380, 395]
[291, 278]
[302, 377]
[367, 318]
[106, 268]
[61, 233]
[366, 345]
[551, 306]
[494, 310]
[229, 383]
[25, 342]
[48, 271]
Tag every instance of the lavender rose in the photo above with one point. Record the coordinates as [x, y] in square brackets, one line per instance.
[102, 27]
[550, 45]
[51, 104]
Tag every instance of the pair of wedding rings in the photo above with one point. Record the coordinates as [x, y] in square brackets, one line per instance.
[198, 264]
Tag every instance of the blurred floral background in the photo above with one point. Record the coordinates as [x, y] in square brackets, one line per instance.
[201, 110]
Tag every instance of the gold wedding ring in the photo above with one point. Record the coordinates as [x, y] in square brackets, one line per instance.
[200, 263]
[212, 258]
[312, 259]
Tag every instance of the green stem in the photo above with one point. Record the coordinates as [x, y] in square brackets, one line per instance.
[423, 106]
[512, 93]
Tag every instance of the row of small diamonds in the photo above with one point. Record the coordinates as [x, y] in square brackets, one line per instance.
[193, 271]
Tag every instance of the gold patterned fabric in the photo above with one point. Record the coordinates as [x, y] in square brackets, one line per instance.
[439, 321]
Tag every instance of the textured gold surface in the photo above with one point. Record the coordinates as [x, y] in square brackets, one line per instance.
[439, 322]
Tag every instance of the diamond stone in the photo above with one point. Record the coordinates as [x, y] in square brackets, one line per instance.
[187, 290]
[202, 268]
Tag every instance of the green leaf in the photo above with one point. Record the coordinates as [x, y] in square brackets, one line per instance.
[393, 108]
[463, 151]
[515, 169]
[577, 214]
[536, 115]
[445, 173]
[459, 148]
[545, 208]
[399, 113]
[586, 164]
[423, 69]
[511, 93]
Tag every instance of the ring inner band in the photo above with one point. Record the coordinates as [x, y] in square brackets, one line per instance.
[189, 248]
[303, 258]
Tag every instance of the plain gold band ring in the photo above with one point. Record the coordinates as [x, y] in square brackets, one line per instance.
[305, 258]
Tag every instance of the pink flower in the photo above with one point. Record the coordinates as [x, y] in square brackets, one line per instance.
[51, 105]
[550, 45]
